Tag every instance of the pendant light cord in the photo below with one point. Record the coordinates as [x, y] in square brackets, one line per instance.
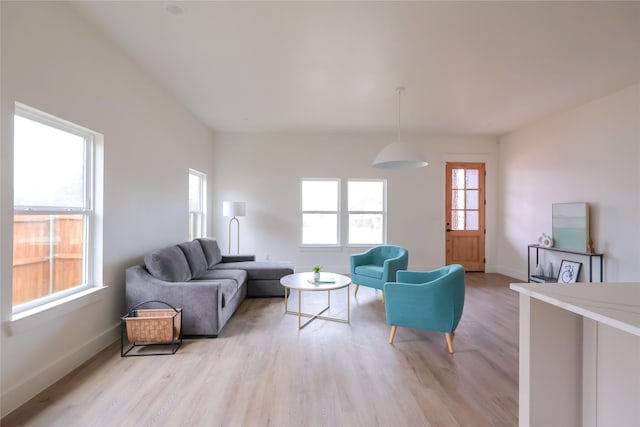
[399, 89]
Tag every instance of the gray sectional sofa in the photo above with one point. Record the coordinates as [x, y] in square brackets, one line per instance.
[207, 285]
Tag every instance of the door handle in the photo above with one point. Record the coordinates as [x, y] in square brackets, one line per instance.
[448, 230]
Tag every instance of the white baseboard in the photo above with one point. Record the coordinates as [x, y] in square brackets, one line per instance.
[512, 272]
[54, 371]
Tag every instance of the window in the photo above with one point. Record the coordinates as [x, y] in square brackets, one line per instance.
[53, 223]
[320, 211]
[366, 205]
[197, 204]
[322, 215]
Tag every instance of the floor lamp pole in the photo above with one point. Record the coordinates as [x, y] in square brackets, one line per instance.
[238, 233]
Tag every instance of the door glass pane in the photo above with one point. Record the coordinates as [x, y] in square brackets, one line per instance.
[457, 180]
[472, 220]
[472, 199]
[458, 199]
[472, 178]
[457, 220]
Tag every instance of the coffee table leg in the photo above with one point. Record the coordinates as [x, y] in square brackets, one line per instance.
[299, 308]
[348, 306]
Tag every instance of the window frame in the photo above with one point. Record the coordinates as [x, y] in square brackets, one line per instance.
[383, 213]
[88, 210]
[200, 215]
[337, 212]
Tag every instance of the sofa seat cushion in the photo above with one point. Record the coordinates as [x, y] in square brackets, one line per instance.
[240, 276]
[168, 264]
[259, 270]
[195, 257]
[211, 250]
[370, 270]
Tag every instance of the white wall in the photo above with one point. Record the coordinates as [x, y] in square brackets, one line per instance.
[54, 61]
[265, 171]
[588, 154]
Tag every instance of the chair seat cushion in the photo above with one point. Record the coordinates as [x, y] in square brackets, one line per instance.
[370, 270]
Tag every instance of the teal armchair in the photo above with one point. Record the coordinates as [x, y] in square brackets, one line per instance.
[430, 300]
[377, 266]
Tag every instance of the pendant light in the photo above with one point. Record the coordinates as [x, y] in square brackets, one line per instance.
[398, 155]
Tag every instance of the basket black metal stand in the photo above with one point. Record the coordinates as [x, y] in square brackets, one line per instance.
[151, 328]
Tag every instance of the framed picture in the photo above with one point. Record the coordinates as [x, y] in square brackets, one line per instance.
[570, 226]
[569, 271]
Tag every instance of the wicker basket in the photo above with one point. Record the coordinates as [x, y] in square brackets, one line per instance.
[151, 328]
[154, 325]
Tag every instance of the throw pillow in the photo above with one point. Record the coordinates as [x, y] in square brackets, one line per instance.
[195, 257]
[211, 250]
[168, 264]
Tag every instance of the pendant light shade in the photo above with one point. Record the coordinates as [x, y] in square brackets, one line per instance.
[398, 155]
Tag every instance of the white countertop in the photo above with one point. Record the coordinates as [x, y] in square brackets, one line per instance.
[614, 304]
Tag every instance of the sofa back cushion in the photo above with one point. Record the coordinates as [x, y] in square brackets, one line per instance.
[211, 250]
[195, 257]
[168, 264]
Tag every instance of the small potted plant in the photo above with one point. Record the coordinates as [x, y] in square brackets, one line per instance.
[316, 272]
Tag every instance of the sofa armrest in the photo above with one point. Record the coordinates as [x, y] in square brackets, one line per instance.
[238, 258]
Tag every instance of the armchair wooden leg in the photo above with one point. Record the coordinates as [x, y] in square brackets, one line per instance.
[392, 334]
[383, 297]
[356, 291]
[449, 337]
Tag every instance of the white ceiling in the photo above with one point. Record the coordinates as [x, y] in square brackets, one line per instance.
[468, 67]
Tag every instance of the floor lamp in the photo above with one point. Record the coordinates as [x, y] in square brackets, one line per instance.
[234, 210]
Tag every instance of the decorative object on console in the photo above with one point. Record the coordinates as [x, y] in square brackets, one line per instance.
[234, 210]
[545, 240]
[569, 271]
[550, 270]
[570, 226]
[398, 155]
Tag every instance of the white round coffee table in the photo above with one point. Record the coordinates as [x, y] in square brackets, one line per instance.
[303, 282]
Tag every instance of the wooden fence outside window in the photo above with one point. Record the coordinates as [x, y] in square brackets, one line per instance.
[47, 255]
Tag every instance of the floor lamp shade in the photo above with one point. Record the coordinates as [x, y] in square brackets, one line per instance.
[398, 155]
[234, 209]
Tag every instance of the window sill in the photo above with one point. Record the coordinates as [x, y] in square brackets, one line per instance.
[320, 248]
[45, 313]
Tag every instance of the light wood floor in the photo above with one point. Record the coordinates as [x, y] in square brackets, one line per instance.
[262, 371]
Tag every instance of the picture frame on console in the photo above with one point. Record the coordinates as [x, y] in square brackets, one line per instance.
[569, 271]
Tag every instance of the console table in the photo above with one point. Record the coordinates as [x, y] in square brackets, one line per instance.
[538, 248]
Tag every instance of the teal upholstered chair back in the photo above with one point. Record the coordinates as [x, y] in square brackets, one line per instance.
[378, 265]
[431, 300]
